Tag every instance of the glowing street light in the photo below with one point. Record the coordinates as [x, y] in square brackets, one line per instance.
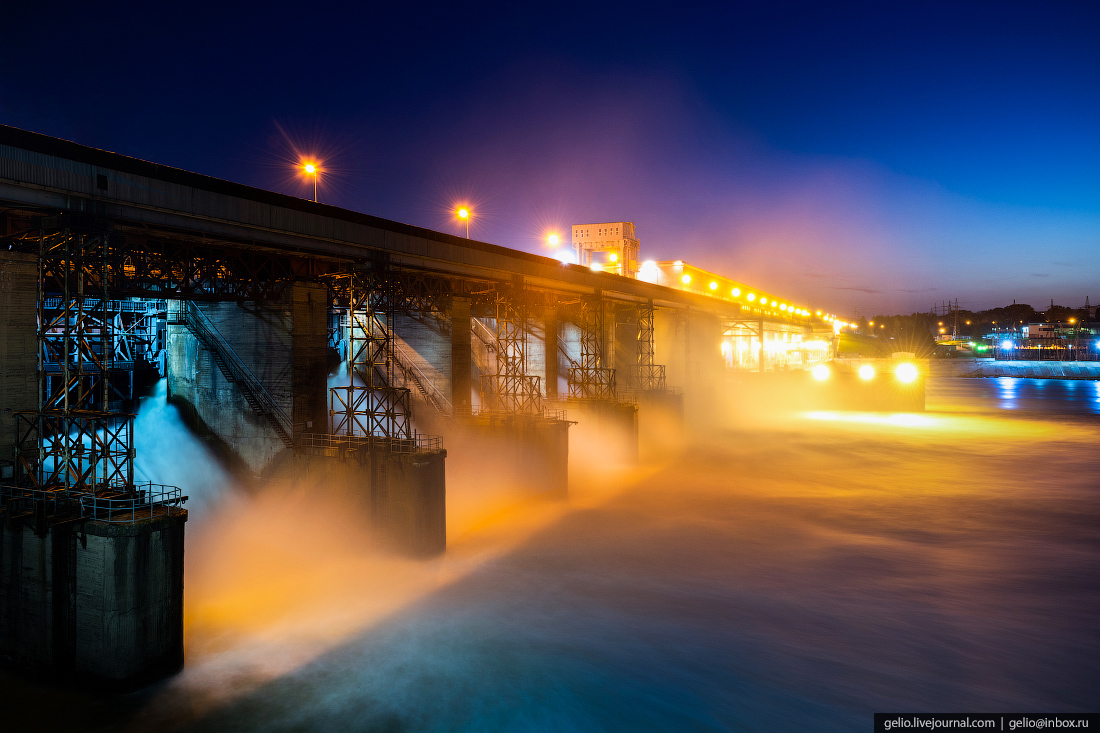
[314, 170]
[906, 373]
[552, 240]
[464, 214]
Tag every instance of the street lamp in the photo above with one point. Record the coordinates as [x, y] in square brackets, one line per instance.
[552, 240]
[464, 214]
[311, 169]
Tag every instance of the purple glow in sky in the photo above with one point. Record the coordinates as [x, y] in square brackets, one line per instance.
[865, 159]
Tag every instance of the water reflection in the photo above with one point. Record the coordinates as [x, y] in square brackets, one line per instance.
[1047, 396]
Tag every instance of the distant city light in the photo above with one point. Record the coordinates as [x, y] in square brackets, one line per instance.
[1006, 344]
[820, 372]
[596, 267]
[613, 257]
[866, 371]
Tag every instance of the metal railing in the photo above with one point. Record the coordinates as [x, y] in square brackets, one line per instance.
[1022, 351]
[489, 338]
[333, 443]
[261, 400]
[143, 501]
[420, 379]
[114, 505]
[544, 414]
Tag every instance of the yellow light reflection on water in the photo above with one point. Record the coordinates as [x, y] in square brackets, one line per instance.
[901, 419]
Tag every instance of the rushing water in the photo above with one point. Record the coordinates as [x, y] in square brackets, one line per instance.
[795, 573]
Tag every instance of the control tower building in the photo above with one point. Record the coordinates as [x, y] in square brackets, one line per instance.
[610, 246]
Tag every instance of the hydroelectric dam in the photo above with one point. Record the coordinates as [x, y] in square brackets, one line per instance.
[304, 341]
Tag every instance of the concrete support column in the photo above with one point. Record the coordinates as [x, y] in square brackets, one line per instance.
[607, 335]
[461, 356]
[309, 359]
[550, 329]
[760, 332]
[18, 345]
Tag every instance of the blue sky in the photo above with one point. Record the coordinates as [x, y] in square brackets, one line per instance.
[861, 157]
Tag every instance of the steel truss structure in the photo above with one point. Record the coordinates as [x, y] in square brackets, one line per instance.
[370, 405]
[591, 379]
[79, 442]
[511, 389]
[647, 376]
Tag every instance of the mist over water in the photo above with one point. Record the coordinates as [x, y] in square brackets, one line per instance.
[166, 452]
[782, 573]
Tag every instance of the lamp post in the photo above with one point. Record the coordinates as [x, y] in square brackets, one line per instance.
[311, 169]
[464, 214]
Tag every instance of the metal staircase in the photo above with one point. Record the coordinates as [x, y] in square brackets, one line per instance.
[414, 376]
[234, 370]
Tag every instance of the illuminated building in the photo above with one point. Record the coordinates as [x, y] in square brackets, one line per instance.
[613, 246]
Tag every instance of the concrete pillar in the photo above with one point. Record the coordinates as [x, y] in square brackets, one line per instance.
[607, 334]
[18, 346]
[625, 352]
[102, 600]
[550, 329]
[461, 356]
[403, 494]
[309, 357]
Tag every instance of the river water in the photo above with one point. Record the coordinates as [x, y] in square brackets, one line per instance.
[783, 574]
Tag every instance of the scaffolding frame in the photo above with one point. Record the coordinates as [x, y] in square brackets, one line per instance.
[76, 448]
[590, 379]
[77, 440]
[370, 405]
[511, 389]
[647, 376]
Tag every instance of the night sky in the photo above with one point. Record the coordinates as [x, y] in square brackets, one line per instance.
[863, 158]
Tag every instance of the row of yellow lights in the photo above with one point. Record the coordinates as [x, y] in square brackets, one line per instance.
[751, 297]
[553, 240]
[763, 301]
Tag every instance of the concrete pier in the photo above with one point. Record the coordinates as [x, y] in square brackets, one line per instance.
[96, 600]
[402, 494]
[610, 425]
[526, 451]
[660, 423]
